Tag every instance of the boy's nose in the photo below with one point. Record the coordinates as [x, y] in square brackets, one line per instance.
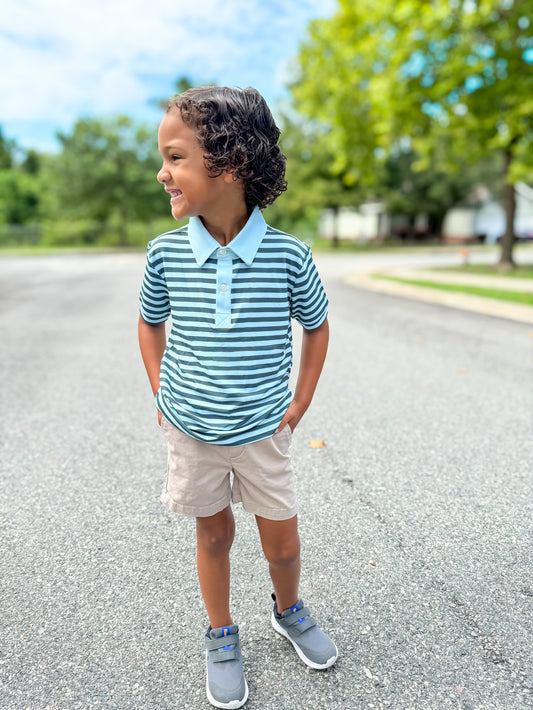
[162, 175]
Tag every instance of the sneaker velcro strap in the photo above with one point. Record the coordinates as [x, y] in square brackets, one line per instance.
[299, 621]
[218, 655]
[214, 644]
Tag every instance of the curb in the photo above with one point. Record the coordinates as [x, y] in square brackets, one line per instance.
[464, 301]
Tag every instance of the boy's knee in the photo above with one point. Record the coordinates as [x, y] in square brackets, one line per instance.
[215, 536]
[283, 554]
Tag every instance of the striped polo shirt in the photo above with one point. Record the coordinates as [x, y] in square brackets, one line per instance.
[225, 370]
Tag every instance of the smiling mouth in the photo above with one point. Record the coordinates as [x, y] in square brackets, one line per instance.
[174, 194]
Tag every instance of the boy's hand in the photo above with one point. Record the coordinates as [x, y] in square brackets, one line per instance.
[292, 416]
[314, 347]
[159, 417]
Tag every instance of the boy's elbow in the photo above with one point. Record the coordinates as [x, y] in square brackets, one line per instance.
[144, 323]
[149, 330]
[322, 328]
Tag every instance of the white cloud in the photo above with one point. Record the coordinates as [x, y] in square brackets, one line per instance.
[61, 59]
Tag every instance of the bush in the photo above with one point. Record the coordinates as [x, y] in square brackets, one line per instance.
[66, 233]
[85, 233]
[19, 235]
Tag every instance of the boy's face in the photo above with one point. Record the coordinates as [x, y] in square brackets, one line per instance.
[192, 192]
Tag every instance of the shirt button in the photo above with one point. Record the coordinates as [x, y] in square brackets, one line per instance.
[222, 252]
[223, 287]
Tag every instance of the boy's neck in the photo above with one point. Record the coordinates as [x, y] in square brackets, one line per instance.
[226, 228]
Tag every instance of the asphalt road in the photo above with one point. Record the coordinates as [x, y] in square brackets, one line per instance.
[415, 516]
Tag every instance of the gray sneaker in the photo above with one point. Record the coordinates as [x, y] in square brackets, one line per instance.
[226, 685]
[313, 646]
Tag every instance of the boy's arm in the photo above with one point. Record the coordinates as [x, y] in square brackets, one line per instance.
[314, 348]
[152, 341]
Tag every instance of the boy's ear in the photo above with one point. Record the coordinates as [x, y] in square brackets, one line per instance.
[230, 177]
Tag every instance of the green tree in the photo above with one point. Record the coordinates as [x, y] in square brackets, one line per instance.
[107, 171]
[315, 184]
[31, 163]
[19, 185]
[19, 197]
[421, 73]
[183, 83]
[312, 186]
[431, 191]
[6, 152]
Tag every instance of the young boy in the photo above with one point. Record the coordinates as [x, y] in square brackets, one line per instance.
[232, 284]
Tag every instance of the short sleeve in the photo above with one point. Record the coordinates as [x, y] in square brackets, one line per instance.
[154, 300]
[309, 303]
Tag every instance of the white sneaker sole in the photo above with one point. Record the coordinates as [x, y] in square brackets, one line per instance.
[308, 662]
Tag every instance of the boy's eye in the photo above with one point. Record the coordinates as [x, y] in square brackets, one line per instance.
[175, 157]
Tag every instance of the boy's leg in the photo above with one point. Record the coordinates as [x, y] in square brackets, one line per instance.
[281, 545]
[226, 686]
[214, 536]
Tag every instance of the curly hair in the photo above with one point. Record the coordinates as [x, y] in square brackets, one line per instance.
[239, 135]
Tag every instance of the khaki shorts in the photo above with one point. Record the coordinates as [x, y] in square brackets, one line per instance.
[199, 481]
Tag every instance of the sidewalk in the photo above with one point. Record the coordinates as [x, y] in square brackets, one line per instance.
[479, 304]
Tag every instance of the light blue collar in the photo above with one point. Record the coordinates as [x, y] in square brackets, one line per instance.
[244, 245]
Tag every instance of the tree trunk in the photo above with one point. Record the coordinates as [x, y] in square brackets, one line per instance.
[335, 242]
[506, 262]
[436, 220]
[123, 228]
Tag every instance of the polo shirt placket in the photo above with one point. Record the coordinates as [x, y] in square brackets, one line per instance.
[224, 281]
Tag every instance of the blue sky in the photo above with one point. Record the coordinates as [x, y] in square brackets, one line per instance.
[62, 60]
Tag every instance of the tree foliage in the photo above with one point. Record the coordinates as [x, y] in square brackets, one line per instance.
[410, 191]
[413, 75]
[19, 197]
[107, 171]
[19, 185]
[182, 84]
[6, 152]
[312, 185]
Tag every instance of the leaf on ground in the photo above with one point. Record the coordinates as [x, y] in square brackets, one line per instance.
[316, 444]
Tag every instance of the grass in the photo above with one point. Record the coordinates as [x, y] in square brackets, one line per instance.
[499, 294]
[521, 272]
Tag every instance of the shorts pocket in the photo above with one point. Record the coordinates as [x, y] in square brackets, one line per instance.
[284, 437]
[287, 431]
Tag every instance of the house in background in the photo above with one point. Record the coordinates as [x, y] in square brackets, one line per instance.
[358, 224]
[484, 222]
